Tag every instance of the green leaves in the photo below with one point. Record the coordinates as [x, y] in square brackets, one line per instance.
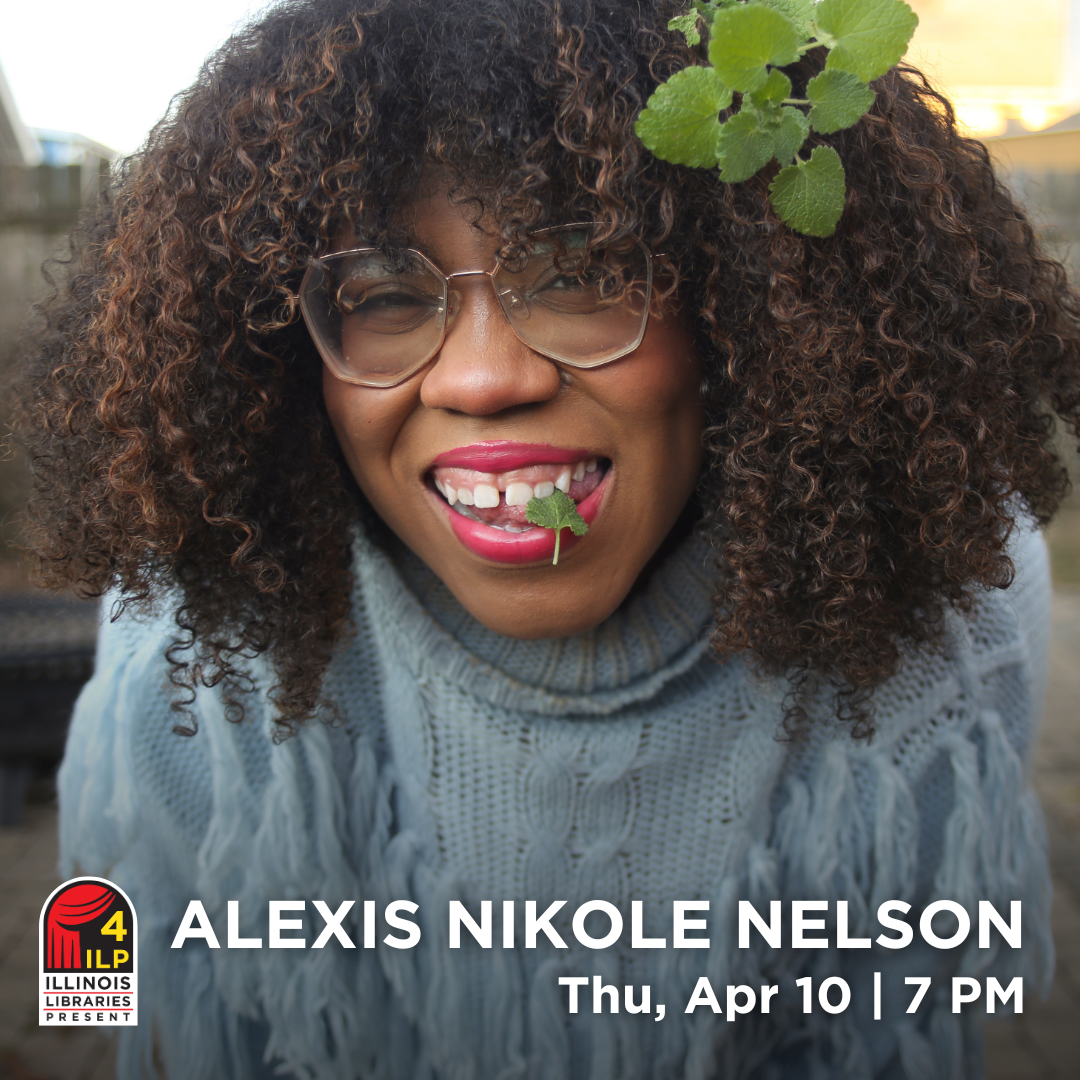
[776, 88]
[749, 41]
[742, 147]
[809, 195]
[557, 511]
[839, 98]
[753, 137]
[745, 38]
[687, 26]
[800, 12]
[790, 132]
[866, 37]
[681, 121]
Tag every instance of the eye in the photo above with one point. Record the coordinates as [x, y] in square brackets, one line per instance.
[571, 283]
[586, 279]
[389, 306]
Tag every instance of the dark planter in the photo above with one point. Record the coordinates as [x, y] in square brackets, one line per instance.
[46, 654]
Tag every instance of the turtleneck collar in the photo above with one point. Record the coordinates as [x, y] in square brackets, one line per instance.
[657, 633]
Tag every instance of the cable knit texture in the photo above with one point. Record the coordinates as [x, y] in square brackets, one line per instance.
[624, 764]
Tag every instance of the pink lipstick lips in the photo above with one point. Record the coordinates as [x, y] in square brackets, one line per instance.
[500, 456]
[485, 488]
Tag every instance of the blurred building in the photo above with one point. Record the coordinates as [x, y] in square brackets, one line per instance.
[46, 177]
[1006, 67]
[1043, 169]
[17, 145]
[46, 643]
[1012, 73]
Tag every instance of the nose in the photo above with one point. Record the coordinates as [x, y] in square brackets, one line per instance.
[482, 368]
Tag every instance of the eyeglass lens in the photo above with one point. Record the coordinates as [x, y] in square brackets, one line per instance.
[378, 316]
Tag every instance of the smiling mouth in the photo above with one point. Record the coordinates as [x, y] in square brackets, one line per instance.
[499, 499]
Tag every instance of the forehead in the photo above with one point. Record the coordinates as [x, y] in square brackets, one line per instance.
[459, 222]
[455, 233]
[447, 229]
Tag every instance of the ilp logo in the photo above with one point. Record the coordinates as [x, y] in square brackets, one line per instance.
[87, 952]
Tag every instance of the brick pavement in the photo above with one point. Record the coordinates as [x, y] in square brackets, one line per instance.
[27, 876]
[1042, 1044]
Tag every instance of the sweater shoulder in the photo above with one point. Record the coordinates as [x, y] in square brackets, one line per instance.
[994, 659]
[953, 730]
[128, 769]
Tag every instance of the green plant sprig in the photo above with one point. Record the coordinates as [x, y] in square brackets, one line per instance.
[556, 511]
[749, 41]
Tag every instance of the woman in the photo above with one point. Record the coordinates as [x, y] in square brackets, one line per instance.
[387, 272]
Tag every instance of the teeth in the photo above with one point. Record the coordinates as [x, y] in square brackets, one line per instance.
[518, 494]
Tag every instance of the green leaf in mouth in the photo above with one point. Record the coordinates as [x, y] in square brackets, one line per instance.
[556, 511]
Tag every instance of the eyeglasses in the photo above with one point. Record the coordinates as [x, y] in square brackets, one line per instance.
[378, 316]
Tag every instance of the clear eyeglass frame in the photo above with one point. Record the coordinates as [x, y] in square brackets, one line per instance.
[383, 359]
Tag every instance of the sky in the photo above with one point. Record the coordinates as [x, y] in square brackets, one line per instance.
[107, 69]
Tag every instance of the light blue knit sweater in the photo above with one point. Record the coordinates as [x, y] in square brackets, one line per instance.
[624, 764]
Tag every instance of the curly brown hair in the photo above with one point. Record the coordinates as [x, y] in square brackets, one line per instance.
[880, 403]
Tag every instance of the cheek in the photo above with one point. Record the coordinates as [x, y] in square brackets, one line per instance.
[662, 388]
[368, 423]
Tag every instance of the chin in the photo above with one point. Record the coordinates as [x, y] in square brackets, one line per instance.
[533, 603]
[554, 624]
